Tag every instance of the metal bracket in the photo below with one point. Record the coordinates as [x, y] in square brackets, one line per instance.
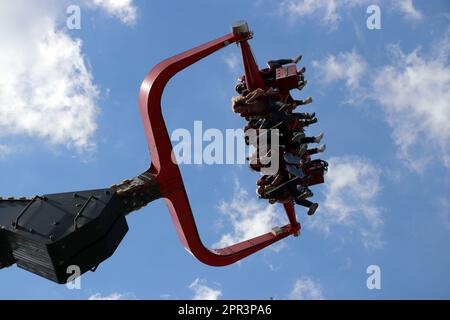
[79, 214]
[15, 223]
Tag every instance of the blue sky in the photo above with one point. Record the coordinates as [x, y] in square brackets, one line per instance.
[69, 120]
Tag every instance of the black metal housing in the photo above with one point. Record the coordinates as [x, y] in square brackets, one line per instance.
[47, 234]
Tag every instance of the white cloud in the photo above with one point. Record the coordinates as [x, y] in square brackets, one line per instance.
[349, 67]
[232, 60]
[113, 296]
[353, 184]
[306, 288]
[249, 217]
[46, 88]
[414, 92]
[327, 10]
[330, 11]
[408, 9]
[203, 292]
[125, 10]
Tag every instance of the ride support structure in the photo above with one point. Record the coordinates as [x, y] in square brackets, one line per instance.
[47, 234]
[167, 172]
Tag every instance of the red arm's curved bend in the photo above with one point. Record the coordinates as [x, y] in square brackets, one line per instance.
[168, 174]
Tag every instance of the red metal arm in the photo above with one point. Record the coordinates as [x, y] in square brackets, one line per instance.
[253, 77]
[168, 174]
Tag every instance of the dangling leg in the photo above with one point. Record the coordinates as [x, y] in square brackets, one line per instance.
[303, 102]
[312, 207]
[303, 115]
[319, 149]
[299, 192]
[300, 137]
[307, 122]
[297, 103]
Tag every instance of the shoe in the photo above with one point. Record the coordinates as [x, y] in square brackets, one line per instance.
[313, 120]
[312, 209]
[322, 148]
[307, 100]
[312, 115]
[318, 138]
[302, 84]
[302, 70]
[297, 59]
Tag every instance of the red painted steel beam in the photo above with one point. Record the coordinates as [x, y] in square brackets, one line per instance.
[253, 77]
[167, 172]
